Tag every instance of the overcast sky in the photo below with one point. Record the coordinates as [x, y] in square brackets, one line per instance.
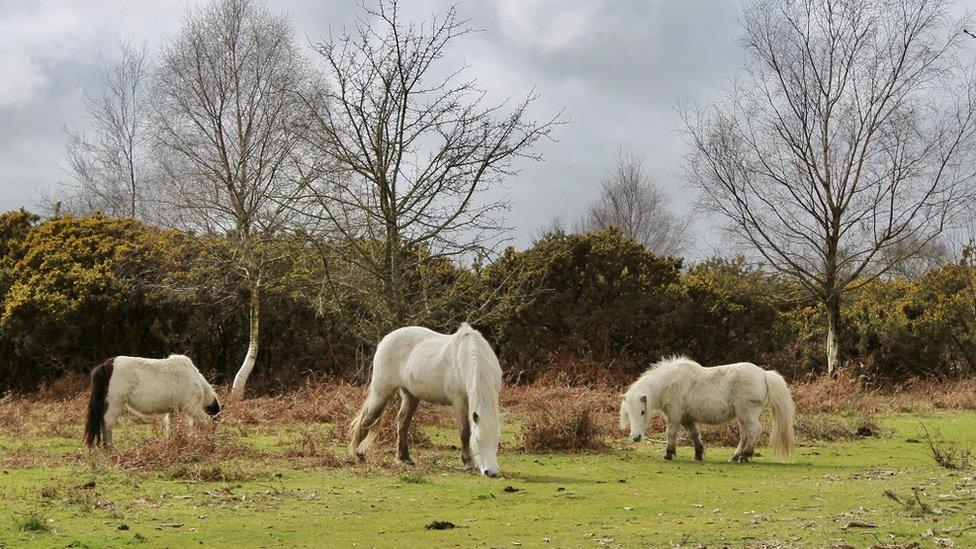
[615, 66]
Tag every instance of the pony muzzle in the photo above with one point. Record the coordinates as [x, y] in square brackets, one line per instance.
[636, 438]
[490, 473]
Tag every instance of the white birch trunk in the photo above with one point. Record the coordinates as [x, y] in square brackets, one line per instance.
[240, 380]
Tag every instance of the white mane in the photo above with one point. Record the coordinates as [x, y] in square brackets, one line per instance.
[661, 368]
[485, 381]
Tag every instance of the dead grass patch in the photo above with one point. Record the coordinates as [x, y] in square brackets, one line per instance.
[554, 417]
[844, 391]
[572, 423]
[184, 446]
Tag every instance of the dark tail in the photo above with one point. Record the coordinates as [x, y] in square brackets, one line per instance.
[100, 378]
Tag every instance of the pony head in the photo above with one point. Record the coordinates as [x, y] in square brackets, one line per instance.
[485, 433]
[633, 413]
[213, 409]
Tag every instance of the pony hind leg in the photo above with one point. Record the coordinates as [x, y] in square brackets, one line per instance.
[749, 430]
[464, 426]
[742, 441]
[108, 423]
[692, 430]
[364, 427]
[408, 405]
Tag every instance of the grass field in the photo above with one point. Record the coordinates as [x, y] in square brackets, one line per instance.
[273, 490]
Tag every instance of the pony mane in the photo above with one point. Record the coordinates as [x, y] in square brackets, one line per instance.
[670, 361]
[485, 380]
[662, 366]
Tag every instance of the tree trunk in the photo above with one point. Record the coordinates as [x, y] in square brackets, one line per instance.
[393, 275]
[240, 380]
[833, 334]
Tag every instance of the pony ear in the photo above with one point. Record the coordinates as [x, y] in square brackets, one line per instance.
[644, 399]
[623, 397]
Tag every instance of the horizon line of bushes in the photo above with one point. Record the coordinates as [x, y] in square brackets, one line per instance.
[583, 307]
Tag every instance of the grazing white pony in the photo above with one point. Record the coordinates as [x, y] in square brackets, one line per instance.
[688, 393]
[459, 369]
[146, 386]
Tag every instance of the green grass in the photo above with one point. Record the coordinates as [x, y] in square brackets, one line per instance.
[626, 496]
[34, 522]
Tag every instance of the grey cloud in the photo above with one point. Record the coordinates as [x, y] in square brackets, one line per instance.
[616, 66]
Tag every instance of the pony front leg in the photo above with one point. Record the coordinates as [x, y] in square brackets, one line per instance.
[672, 434]
[464, 426]
[198, 418]
[408, 405]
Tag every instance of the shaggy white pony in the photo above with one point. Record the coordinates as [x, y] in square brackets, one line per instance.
[688, 393]
[146, 386]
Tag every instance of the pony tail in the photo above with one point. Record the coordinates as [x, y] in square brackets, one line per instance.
[101, 376]
[363, 436]
[781, 440]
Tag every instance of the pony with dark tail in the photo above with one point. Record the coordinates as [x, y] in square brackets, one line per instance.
[147, 386]
[101, 376]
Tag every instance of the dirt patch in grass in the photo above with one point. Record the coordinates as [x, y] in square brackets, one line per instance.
[313, 448]
[821, 428]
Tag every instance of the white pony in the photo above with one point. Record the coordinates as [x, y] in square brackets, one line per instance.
[459, 369]
[687, 393]
[146, 386]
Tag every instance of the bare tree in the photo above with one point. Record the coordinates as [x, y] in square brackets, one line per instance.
[631, 201]
[227, 125]
[846, 146]
[411, 152]
[109, 168]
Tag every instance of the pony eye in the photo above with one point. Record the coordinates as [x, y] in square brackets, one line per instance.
[474, 417]
[643, 412]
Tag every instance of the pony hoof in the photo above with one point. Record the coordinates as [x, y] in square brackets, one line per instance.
[699, 457]
[360, 458]
[668, 457]
[406, 461]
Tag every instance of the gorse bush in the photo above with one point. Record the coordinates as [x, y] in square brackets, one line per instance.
[925, 328]
[597, 294]
[591, 306]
